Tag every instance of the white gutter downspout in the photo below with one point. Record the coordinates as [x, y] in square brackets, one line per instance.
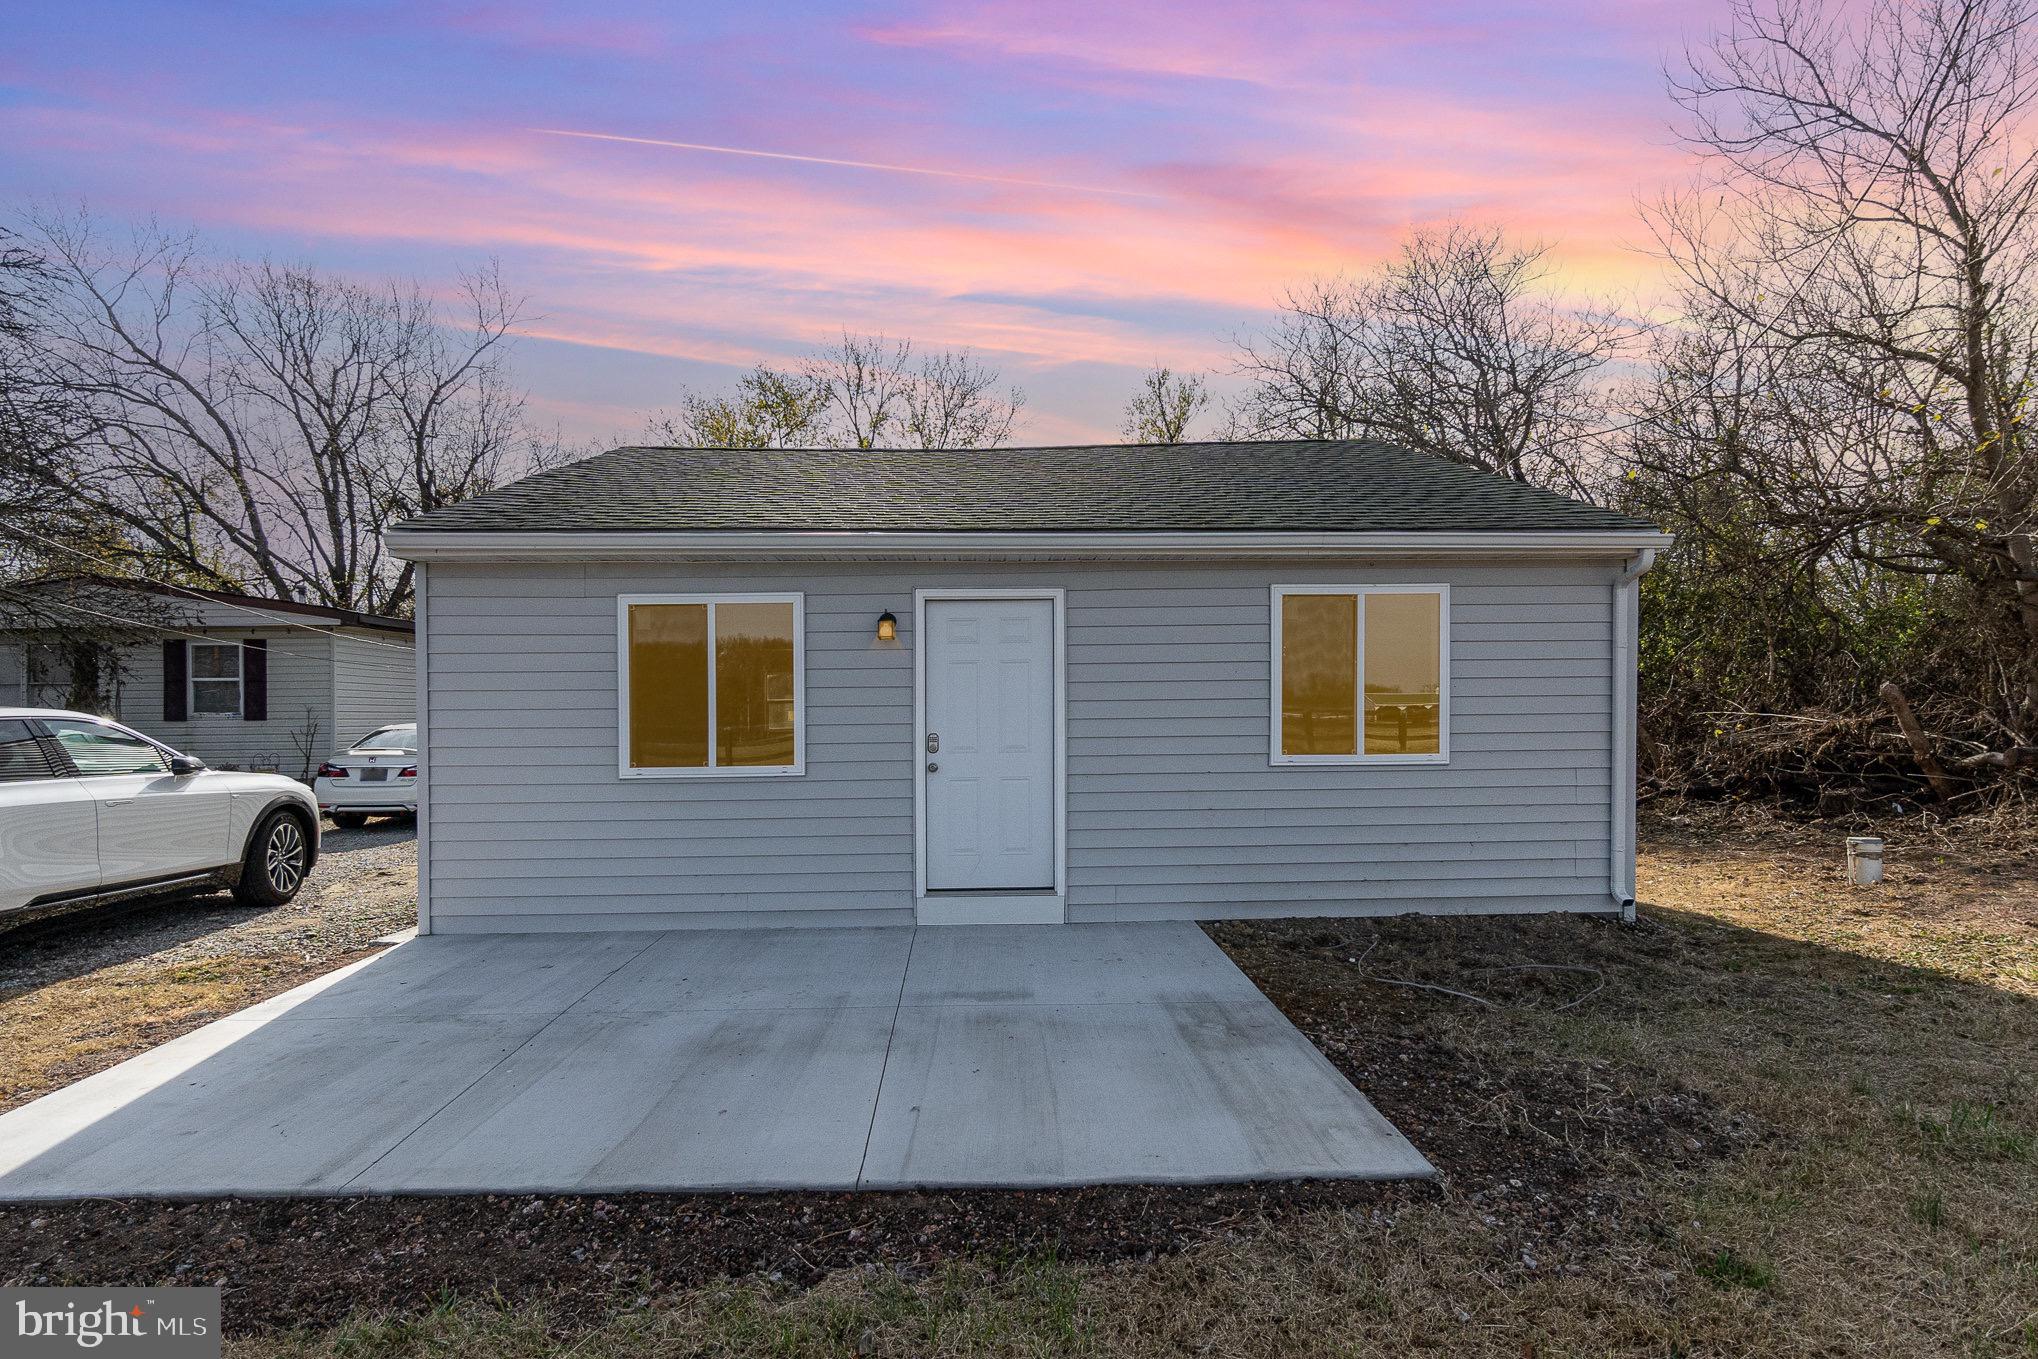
[1627, 612]
[422, 652]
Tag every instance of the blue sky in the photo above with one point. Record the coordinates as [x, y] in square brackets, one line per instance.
[1077, 190]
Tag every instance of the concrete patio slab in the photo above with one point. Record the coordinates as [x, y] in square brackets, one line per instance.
[825, 1059]
[500, 974]
[1176, 1092]
[1143, 964]
[757, 970]
[297, 1106]
[707, 1099]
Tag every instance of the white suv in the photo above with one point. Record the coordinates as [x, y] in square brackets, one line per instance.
[91, 811]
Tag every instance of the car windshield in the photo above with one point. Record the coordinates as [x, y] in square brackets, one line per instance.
[404, 738]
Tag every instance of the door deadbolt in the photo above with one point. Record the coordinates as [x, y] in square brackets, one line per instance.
[933, 743]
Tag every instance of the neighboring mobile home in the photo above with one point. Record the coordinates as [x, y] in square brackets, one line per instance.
[673, 687]
[241, 681]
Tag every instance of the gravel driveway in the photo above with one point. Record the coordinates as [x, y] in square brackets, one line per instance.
[84, 990]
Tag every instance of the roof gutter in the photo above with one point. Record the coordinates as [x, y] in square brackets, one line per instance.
[426, 545]
[1627, 613]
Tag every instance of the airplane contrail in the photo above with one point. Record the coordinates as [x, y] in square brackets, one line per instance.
[851, 164]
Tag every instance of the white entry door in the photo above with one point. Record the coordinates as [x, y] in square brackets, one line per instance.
[989, 744]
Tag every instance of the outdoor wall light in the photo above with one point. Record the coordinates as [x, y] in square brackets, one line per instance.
[887, 627]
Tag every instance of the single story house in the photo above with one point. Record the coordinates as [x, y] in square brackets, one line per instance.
[671, 687]
[241, 681]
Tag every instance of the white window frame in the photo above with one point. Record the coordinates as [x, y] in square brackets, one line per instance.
[1443, 756]
[624, 769]
[192, 679]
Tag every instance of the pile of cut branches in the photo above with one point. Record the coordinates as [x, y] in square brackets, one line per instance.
[1833, 760]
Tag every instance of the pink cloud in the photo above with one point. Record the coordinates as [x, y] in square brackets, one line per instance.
[729, 261]
[1305, 44]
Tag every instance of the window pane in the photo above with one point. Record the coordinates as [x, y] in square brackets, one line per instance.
[1319, 674]
[754, 684]
[210, 661]
[215, 698]
[403, 738]
[668, 686]
[102, 750]
[20, 756]
[1403, 704]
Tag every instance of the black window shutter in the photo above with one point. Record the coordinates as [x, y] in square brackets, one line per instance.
[255, 680]
[174, 655]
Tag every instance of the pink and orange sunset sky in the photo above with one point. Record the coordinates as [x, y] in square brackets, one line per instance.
[1075, 190]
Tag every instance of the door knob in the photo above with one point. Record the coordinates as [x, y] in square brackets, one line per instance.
[931, 766]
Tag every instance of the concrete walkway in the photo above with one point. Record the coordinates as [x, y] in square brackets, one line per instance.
[737, 1059]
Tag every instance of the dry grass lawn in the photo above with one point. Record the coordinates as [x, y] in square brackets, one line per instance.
[84, 991]
[1879, 1049]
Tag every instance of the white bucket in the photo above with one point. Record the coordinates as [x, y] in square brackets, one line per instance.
[1864, 860]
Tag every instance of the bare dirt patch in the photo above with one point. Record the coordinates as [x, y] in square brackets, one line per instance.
[1549, 1148]
[315, 1261]
[83, 991]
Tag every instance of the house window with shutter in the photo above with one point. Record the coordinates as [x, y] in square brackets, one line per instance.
[710, 685]
[215, 669]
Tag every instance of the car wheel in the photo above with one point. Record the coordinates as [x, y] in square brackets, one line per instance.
[278, 857]
[350, 820]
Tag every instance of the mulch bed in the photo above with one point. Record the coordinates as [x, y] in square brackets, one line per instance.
[1550, 1152]
[1540, 1150]
[313, 1261]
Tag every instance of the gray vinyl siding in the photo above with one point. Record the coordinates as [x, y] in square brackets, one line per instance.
[300, 704]
[1173, 808]
[305, 678]
[374, 683]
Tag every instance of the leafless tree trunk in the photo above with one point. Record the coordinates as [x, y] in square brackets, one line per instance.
[39, 427]
[77, 628]
[304, 739]
[1457, 347]
[1864, 232]
[257, 426]
[1920, 743]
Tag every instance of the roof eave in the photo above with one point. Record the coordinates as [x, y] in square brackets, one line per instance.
[424, 545]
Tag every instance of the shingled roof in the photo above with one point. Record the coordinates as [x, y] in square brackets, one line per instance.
[1344, 486]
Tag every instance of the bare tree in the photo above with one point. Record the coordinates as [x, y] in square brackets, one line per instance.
[257, 425]
[865, 392]
[869, 383]
[71, 632]
[1863, 237]
[75, 632]
[38, 426]
[304, 740]
[953, 402]
[1457, 347]
[1161, 411]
